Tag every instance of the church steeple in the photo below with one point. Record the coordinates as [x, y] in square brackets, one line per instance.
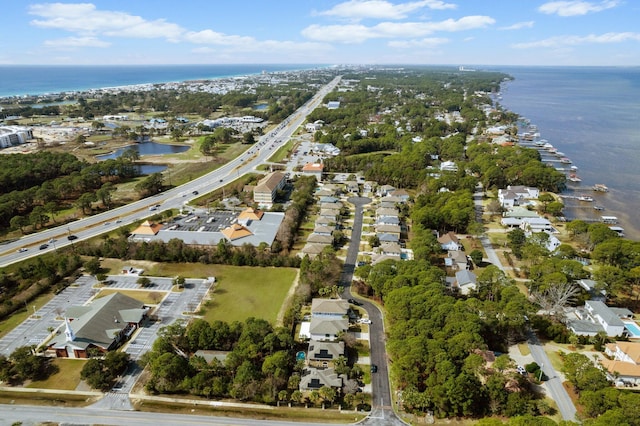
[68, 332]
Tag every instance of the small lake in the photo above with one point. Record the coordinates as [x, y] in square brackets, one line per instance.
[146, 148]
[148, 169]
[261, 107]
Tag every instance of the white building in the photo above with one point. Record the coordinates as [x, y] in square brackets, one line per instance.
[14, 135]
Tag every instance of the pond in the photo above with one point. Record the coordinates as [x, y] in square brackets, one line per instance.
[261, 107]
[146, 148]
[147, 169]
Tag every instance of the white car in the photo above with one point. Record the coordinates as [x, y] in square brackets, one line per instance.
[364, 321]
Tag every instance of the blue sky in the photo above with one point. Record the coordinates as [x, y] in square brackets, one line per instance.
[487, 32]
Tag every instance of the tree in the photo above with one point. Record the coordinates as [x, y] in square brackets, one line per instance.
[144, 282]
[476, 257]
[248, 138]
[92, 266]
[151, 185]
[179, 281]
[105, 194]
[85, 201]
[327, 393]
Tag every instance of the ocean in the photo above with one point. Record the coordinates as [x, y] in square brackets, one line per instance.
[591, 115]
[19, 80]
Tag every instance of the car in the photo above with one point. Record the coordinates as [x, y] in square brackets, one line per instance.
[221, 180]
[355, 302]
[52, 240]
[72, 237]
[44, 246]
[119, 221]
[374, 368]
[364, 321]
[107, 223]
[195, 192]
[22, 250]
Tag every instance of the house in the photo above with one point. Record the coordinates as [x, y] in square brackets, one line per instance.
[591, 287]
[250, 214]
[326, 221]
[390, 249]
[324, 327]
[323, 230]
[329, 213]
[332, 206]
[323, 354]
[625, 365]
[264, 192]
[313, 169]
[314, 379]
[386, 211]
[334, 308]
[388, 229]
[102, 326]
[513, 217]
[458, 260]
[536, 224]
[236, 231]
[320, 239]
[369, 186]
[312, 250]
[388, 238]
[449, 241]
[388, 220]
[352, 186]
[466, 281]
[448, 166]
[146, 229]
[596, 317]
[400, 193]
[515, 195]
[333, 104]
[384, 190]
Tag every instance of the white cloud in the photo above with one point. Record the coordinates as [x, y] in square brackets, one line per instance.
[575, 7]
[381, 9]
[357, 33]
[75, 42]
[86, 19]
[554, 42]
[425, 42]
[518, 26]
[213, 37]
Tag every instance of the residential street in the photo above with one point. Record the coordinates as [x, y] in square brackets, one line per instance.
[554, 385]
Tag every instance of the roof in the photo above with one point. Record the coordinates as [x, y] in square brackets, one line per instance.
[313, 167]
[631, 349]
[448, 238]
[313, 378]
[98, 322]
[390, 248]
[329, 306]
[621, 368]
[328, 326]
[236, 231]
[465, 277]
[250, 213]
[322, 351]
[269, 182]
[147, 228]
[602, 310]
[313, 248]
[388, 228]
[320, 239]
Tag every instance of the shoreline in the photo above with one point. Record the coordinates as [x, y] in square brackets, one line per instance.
[149, 84]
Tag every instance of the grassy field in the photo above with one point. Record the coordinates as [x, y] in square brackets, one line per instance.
[240, 291]
[243, 292]
[67, 377]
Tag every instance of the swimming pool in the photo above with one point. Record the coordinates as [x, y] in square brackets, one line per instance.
[633, 329]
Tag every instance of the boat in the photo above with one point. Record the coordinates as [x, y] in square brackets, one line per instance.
[598, 208]
[573, 168]
[565, 160]
[574, 178]
[547, 146]
[584, 198]
[600, 187]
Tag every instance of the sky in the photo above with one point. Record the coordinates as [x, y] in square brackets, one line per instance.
[458, 32]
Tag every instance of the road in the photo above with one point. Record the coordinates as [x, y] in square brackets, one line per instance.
[554, 385]
[92, 226]
[381, 408]
[34, 415]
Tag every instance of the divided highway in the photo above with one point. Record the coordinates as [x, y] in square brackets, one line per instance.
[92, 226]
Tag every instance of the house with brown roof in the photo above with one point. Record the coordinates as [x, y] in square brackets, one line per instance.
[625, 363]
[146, 228]
[264, 193]
[313, 169]
[449, 241]
[250, 214]
[236, 231]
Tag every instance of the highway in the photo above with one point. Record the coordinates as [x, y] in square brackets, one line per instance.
[92, 226]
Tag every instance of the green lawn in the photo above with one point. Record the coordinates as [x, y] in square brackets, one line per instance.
[243, 292]
[240, 291]
[67, 377]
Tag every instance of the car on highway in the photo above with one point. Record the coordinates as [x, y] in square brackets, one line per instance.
[44, 246]
[52, 240]
[22, 249]
[72, 237]
[195, 192]
[374, 368]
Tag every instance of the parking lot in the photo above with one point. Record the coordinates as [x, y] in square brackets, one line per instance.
[203, 222]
